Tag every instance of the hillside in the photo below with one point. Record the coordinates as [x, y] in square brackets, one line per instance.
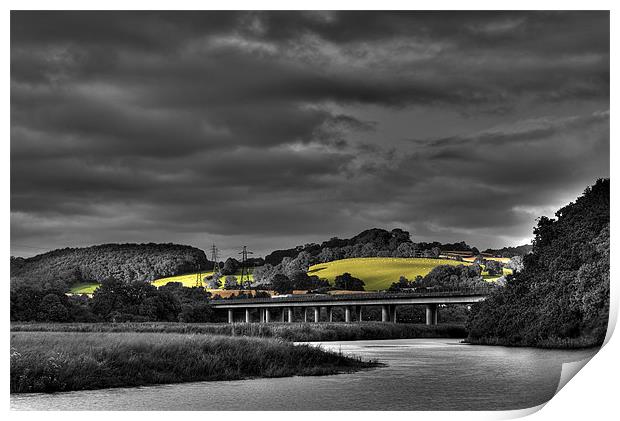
[374, 242]
[80, 270]
[188, 280]
[367, 243]
[510, 251]
[124, 262]
[379, 273]
[561, 297]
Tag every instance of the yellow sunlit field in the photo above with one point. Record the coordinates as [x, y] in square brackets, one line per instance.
[188, 280]
[380, 272]
[497, 259]
[84, 288]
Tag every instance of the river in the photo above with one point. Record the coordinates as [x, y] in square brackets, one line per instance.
[420, 374]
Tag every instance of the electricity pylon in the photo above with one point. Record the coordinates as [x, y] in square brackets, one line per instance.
[245, 271]
[214, 253]
[198, 276]
[214, 256]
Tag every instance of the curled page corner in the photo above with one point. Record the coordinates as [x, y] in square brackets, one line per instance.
[569, 370]
[520, 413]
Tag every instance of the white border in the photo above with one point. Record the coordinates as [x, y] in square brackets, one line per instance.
[591, 394]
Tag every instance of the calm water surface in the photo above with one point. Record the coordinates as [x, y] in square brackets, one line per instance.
[420, 374]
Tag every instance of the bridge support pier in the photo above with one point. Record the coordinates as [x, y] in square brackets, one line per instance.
[393, 313]
[230, 316]
[267, 315]
[331, 314]
[384, 313]
[283, 315]
[347, 314]
[289, 312]
[305, 314]
[317, 314]
[247, 315]
[431, 314]
[358, 313]
[261, 315]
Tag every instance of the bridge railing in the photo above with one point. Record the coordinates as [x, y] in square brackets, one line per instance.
[434, 292]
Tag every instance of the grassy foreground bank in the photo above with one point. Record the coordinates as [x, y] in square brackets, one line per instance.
[294, 332]
[64, 361]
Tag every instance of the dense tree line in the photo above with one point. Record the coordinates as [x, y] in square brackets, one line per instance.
[444, 276]
[288, 268]
[510, 251]
[232, 266]
[348, 282]
[448, 276]
[300, 281]
[123, 262]
[493, 267]
[291, 274]
[561, 296]
[460, 246]
[374, 242]
[113, 301]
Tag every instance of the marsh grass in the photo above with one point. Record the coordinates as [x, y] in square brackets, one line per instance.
[64, 361]
[294, 332]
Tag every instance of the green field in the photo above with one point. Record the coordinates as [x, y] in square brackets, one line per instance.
[188, 280]
[84, 288]
[497, 259]
[377, 272]
[380, 272]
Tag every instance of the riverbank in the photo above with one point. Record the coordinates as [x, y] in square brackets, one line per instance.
[549, 343]
[67, 361]
[293, 332]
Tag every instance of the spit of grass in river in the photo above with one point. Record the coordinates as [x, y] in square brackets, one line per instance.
[296, 332]
[61, 361]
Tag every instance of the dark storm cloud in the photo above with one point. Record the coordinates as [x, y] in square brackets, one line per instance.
[278, 128]
[525, 132]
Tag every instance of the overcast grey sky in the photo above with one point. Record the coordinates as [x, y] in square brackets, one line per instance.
[278, 129]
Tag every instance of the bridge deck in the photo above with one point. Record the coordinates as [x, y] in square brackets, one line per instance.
[443, 296]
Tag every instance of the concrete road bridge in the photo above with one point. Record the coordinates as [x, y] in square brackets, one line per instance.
[353, 304]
